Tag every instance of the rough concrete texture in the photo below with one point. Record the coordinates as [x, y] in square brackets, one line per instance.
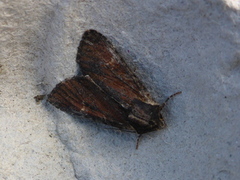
[192, 46]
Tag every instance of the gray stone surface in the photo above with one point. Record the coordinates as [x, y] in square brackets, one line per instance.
[192, 46]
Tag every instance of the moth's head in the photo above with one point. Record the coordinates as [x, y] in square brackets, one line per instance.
[145, 117]
[155, 120]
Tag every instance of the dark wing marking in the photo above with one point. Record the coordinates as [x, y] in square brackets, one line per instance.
[99, 59]
[81, 96]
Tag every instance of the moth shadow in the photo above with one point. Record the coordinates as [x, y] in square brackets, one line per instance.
[102, 135]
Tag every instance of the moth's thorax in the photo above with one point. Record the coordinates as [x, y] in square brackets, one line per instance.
[145, 117]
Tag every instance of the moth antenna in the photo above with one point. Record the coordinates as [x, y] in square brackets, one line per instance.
[170, 97]
[138, 139]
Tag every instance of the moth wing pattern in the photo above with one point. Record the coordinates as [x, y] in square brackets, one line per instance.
[108, 91]
[99, 59]
[81, 96]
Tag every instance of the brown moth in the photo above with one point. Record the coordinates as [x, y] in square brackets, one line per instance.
[108, 91]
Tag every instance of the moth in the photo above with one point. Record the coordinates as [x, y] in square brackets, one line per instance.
[108, 91]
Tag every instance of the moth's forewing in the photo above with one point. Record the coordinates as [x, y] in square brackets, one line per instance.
[99, 59]
[81, 96]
